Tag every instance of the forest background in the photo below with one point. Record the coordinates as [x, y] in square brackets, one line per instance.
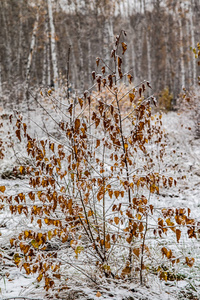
[43, 40]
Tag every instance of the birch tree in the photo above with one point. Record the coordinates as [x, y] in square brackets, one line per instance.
[148, 32]
[32, 46]
[46, 56]
[181, 53]
[193, 42]
[1, 89]
[53, 44]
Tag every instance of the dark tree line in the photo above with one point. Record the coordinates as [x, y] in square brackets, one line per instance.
[35, 37]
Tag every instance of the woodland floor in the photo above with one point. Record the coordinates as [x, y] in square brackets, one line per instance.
[15, 283]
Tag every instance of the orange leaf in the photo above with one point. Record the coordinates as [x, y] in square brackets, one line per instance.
[12, 242]
[136, 251]
[125, 146]
[119, 61]
[18, 134]
[178, 234]
[90, 213]
[110, 193]
[116, 219]
[26, 233]
[49, 235]
[138, 216]
[2, 189]
[21, 169]
[132, 97]
[189, 261]
[77, 124]
[97, 143]
[171, 224]
[98, 294]
[124, 47]
[130, 77]
[52, 147]
[107, 245]
[126, 270]
[189, 210]
[39, 278]
[97, 61]
[80, 102]
[164, 251]
[17, 259]
[141, 227]
[100, 195]
[116, 194]
[70, 109]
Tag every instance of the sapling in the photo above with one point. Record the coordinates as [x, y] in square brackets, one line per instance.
[90, 193]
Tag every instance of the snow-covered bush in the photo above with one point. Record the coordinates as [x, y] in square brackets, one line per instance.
[90, 198]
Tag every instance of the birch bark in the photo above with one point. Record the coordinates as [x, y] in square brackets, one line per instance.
[89, 61]
[19, 52]
[1, 89]
[106, 39]
[193, 44]
[46, 61]
[189, 58]
[53, 44]
[148, 31]
[168, 53]
[80, 56]
[181, 52]
[32, 47]
[132, 60]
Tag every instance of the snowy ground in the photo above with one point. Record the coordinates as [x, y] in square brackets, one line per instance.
[181, 138]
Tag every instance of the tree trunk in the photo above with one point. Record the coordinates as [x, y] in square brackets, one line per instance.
[181, 52]
[7, 42]
[32, 47]
[193, 44]
[53, 45]
[1, 86]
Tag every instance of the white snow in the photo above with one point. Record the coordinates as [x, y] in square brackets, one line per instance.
[181, 138]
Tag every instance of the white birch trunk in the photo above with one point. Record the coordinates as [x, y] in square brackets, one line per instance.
[19, 45]
[147, 29]
[181, 53]
[190, 59]
[106, 40]
[193, 46]
[1, 86]
[89, 61]
[167, 66]
[132, 58]
[148, 55]
[32, 47]
[138, 54]
[44, 69]
[53, 45]
[48, 64]
[45, 58]
[80, 49]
